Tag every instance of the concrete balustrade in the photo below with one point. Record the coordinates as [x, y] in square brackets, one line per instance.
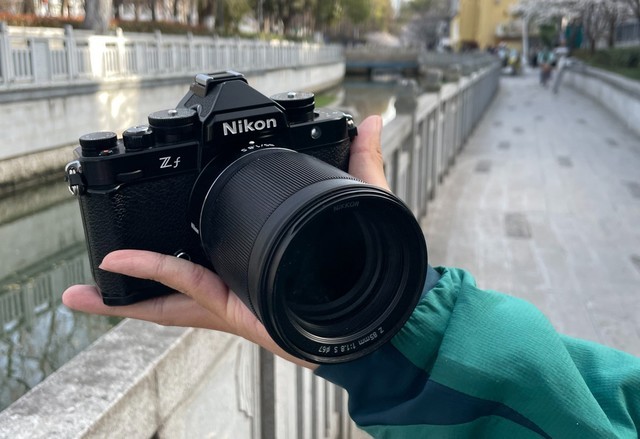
[421, 143]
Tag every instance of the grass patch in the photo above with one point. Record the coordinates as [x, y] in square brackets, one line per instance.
[624, 61]
[626, 72]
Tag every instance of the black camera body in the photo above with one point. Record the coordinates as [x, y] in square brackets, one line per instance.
[137, 189]
[256, 189]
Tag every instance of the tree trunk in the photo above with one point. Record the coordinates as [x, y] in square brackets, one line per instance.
[175, 10]
[97, 15]
[64, 8]
[206, 9]
[611, 35]
[116, 8]
[28, 7]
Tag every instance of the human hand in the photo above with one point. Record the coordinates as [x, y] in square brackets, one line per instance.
[206, 301]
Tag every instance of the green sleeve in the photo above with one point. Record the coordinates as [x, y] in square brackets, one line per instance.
[474, 363]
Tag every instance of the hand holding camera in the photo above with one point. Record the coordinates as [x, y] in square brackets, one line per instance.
[324, 267]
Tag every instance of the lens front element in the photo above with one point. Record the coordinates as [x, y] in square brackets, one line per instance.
[324, 262]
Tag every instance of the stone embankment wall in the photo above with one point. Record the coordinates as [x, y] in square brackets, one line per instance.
[617, 94]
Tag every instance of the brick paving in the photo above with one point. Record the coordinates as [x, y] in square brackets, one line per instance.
[544, 203]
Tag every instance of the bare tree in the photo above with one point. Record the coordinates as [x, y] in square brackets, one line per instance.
[634, 6]
[594, 22]
[206, 10]
[28, 7]
[97, 15]
[598, 18]
[425, 21]
[614, 12]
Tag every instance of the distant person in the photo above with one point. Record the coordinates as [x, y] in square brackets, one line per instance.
[562, 55]
[545, 61]
[469, 363]
[503, 53]
[533, 57]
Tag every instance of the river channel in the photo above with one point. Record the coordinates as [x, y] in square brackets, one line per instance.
[43, 252]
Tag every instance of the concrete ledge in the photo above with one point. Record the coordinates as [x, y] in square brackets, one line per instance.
[617, 94]
[127, 384]
[33, 169]
[143, 380]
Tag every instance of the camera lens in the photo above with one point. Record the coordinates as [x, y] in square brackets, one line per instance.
[332, 267]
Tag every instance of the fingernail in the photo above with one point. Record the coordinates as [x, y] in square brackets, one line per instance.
[101, 266]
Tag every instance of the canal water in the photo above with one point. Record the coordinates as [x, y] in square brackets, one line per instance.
[42, 252]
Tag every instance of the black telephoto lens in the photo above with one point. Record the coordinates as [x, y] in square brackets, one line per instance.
[333, 267]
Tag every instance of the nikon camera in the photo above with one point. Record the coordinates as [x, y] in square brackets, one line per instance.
[256, 189]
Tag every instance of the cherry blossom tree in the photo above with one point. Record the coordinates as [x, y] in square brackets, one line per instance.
[97, 15]
[634, 6]
[598, 18]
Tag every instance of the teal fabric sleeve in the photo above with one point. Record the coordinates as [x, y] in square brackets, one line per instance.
[481, 364]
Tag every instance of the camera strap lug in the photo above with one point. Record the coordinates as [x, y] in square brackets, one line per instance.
[352, 129]
[73, 176]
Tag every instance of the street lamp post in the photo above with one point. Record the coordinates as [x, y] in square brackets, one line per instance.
[525, 40]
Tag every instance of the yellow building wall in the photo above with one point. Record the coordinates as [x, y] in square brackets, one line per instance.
[467, 20]
[478, 20]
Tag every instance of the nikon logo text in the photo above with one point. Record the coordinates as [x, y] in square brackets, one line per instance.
[347, 205]
[245, 126]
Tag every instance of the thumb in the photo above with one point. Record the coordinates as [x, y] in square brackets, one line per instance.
[365, 160]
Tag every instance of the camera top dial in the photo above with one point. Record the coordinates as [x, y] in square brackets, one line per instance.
[299, 105]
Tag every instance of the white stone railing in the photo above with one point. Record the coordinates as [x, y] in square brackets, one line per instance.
[421, 143]
[36, 57]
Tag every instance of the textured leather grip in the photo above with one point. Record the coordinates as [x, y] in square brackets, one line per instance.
[149, 216]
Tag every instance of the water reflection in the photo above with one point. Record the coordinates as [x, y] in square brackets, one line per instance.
[42, 253]
[363, 98]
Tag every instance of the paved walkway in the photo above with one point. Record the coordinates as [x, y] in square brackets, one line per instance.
[544, 203]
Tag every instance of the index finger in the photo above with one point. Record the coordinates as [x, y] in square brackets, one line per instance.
[191, 279]
[170, 310]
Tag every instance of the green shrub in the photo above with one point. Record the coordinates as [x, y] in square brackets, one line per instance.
[619, 57]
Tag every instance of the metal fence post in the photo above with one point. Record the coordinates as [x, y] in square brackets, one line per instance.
[267, 395]
[160, 50]
[190, 63]
[5, 54]
[121, 51]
